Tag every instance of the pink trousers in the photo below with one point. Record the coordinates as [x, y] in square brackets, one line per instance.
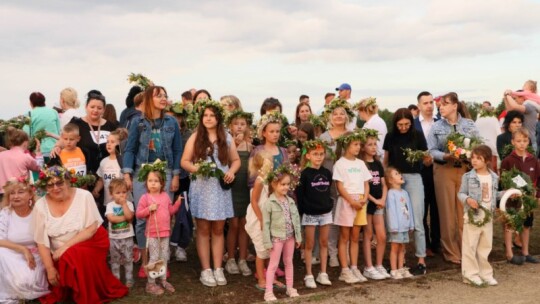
[287, 247]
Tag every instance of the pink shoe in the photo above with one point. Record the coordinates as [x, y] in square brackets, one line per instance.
[280, 273]
[136, 254]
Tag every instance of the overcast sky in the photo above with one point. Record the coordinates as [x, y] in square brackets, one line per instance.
[256, 49]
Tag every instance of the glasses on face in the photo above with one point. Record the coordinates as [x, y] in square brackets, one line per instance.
[58, 184]
[160, 96]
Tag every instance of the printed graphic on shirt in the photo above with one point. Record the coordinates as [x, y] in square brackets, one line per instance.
[119, 228]
[320, 183]
[155, 141]
[485, 192]
[404, 207]
[375, 178]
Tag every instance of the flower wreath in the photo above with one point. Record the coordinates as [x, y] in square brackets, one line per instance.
[181, 109]
[17, 122]
[370, 101]
[490, 112]
[413, 156]
[140, 80]
[23, 179]
[346, 138]
[201, 105]
[239, 114]
[334, 104]
[368, 133]
[292, 170]
[480, 222]
[317, 121]
[157, 166]
[272, 117]
[519, 183]
[48, 173]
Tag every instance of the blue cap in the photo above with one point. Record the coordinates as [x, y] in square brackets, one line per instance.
[344, 86]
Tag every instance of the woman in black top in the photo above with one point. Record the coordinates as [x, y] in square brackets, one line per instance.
[402, 136]
[512, 121]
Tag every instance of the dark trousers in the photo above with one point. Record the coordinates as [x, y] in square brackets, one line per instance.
[433, 229]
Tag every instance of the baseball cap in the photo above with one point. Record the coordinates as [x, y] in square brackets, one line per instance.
[343, 86]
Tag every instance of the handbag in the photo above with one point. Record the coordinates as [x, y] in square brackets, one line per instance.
[222, 183]
[158, 268]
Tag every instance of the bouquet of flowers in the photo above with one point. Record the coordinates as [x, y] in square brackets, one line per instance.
[460, 146]
[519, 200]
[39, 135]
[414, 156]
[82, 181]
[17, 122]
[207, 169]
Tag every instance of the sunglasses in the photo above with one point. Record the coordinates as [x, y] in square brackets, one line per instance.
[58, 184]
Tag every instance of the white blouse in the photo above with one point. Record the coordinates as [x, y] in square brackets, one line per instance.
[16, 229]
[53, 232]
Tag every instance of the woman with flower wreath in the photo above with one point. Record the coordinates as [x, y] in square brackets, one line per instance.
[152, 136]
[337, 114]
[210, 204]
[72, 243]
[22, 274]
[405, 136]
[448, 171]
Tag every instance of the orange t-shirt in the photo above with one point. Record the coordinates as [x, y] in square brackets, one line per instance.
[74, 160]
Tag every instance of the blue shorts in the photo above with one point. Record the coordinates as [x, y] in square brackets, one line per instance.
[398, 237]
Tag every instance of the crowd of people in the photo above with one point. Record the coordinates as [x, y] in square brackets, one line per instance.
[332, 184]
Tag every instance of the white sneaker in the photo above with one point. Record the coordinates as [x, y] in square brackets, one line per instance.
[476, 281]
[372, 273]
[358, 274]
[180, 254]
[309, 281]
[491, 281]
[207, 278]
[269, 297]
[382, 271]
[292, 293]
[231, 267]
[395, 274]
[315, 261]
[405, 273]
[244, 269]
[334, 262]
[323, 279]
[348, 277]
[220, 277]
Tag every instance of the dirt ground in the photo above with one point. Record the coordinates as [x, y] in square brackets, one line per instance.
[442, 284]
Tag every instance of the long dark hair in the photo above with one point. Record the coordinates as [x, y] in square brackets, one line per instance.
[203, 147]
[511, 115]
[412, 134]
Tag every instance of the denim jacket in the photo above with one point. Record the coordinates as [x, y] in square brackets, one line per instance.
[274, 221]
[137, 148]
[441, 128]
[470, 187]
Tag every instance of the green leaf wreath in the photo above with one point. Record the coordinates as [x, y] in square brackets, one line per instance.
[39, 135]
[473, 213]
[524, 205]
[17, 122]
[157, 166]
[414, 156]
[140, 80]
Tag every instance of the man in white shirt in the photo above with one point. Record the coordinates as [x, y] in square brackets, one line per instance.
[488, 127]
[424, 122]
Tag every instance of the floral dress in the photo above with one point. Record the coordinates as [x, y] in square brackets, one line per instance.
[207, 199]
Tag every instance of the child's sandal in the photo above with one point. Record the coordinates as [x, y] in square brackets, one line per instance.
[154, 289]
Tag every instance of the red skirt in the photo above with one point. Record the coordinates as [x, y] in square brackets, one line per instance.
[84, 274]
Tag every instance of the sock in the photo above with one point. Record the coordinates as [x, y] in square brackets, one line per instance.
[354, 267]
[344, 269]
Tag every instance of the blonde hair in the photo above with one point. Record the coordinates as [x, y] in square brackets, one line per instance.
[14, 184]
[71, 128]
[69, 96]
[387, 174]
[530, 85]
[368, 105]
[521, 131]
[260, 164]
[117, 183]
[347, 119]
[121, 133]
[231, 100]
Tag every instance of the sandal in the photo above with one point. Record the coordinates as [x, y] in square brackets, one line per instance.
[168, 286]
[259, 288]
[279, 285]
[153, 289]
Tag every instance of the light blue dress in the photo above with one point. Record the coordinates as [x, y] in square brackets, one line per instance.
[207, 200]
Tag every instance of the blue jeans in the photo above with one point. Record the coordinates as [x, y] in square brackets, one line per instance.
[139, 189]
[414, 186]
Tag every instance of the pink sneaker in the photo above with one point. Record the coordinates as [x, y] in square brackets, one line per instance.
[142, 273]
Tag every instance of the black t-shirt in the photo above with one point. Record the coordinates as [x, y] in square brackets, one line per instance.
[395, 143]
[313, 192]
[93, 150]
[377, 174]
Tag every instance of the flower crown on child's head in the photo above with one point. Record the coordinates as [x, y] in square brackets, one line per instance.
[239, 114]
[347, 138]
[368, 133]
[317, 121]
[334, 104]
[48, 173]
[201, 105]
[292, 170]
[290, 142]
[157, 166]
[313, 145]
[271, 117]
